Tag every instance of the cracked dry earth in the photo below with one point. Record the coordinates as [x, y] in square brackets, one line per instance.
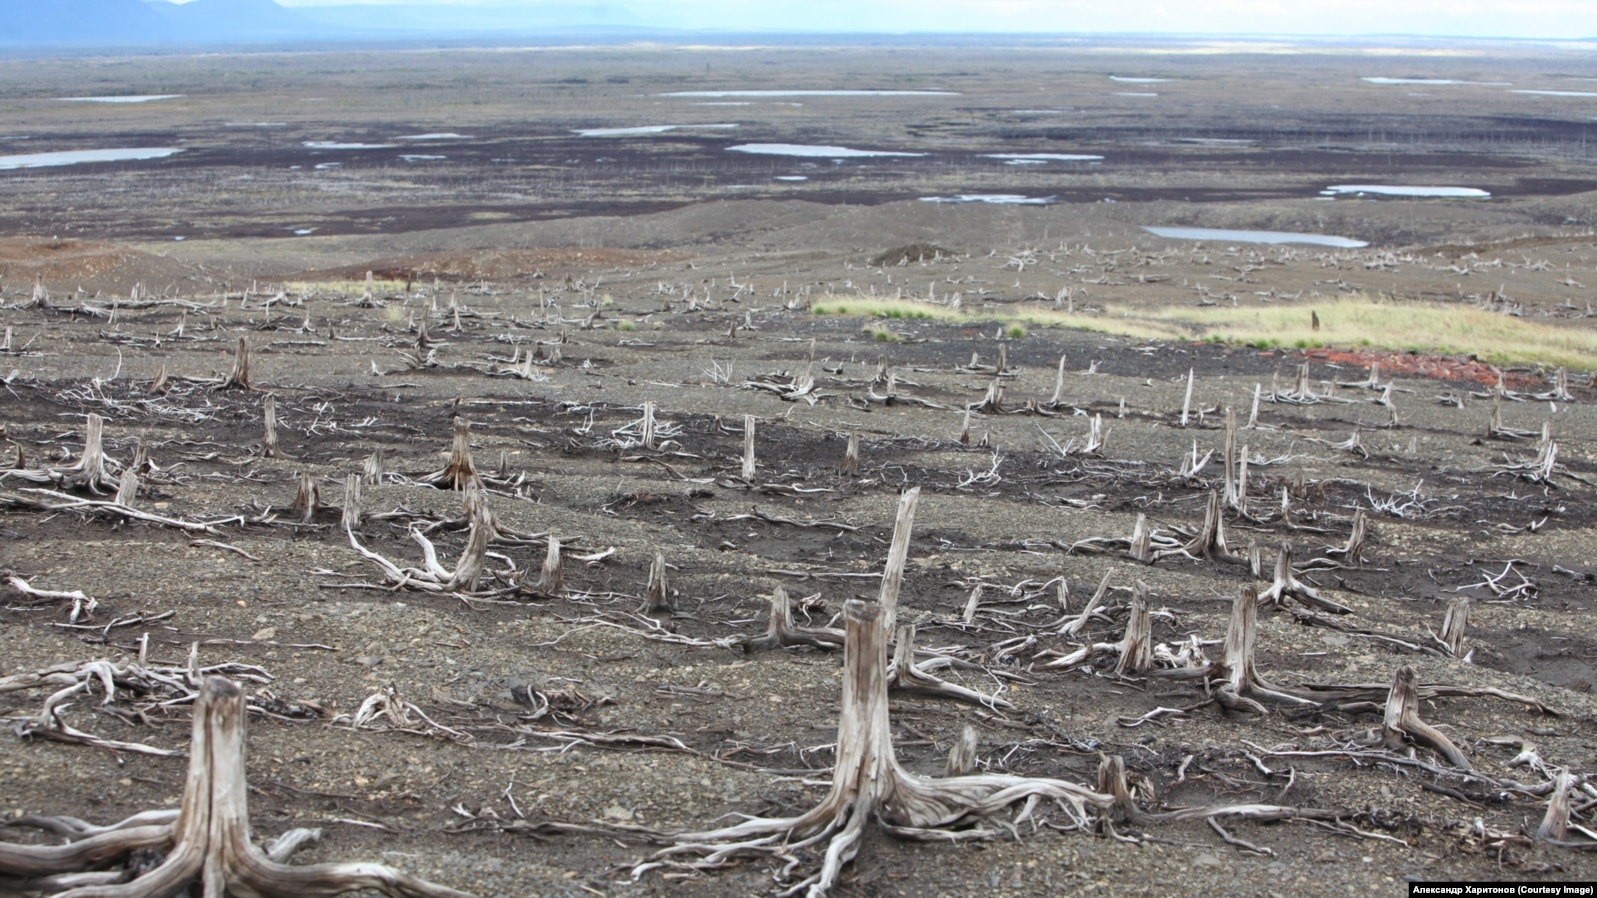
[534, 738]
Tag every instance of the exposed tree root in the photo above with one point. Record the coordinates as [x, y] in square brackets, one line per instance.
[904, 676]
[433, 576]
[1134, 651]
[50, 500]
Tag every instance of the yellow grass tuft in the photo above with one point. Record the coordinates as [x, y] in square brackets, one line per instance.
[380, 286]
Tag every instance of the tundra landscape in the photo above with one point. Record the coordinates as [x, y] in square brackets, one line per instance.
[526, 432]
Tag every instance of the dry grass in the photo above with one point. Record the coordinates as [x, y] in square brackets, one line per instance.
[339, 286]
[1355, 322]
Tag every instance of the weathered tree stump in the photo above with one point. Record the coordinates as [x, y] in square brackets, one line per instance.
[94, 472]
[1286, 584]
[207, 843]
[782, 632]
[657, 597]
[851, 463]
[1401, 721]
[1454, 623]
[869, 787]
[270, 448]
[459, 471]
[239, 377]
[1234, 682]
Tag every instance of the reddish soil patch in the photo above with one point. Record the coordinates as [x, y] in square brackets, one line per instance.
[1414, 364]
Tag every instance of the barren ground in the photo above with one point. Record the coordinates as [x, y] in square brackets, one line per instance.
[684, 299]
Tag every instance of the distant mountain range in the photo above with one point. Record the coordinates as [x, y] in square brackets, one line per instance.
[78, 23]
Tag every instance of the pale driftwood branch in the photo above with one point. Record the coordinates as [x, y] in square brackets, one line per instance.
[1074, 626]
[83, 605]
[1134, 651]
[433, 576]
[64, 502]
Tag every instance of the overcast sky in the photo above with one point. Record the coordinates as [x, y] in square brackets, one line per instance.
[1558, 19]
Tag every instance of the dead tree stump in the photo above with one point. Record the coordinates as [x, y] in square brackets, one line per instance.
[898, 555]
[850, 466]
[1454, 623]
[1234, 682]
[207, 843]
[869, 787]
[1401, 721]
[239, 377]
[1136, 647]
[749, 466]
[270, 448]
[962, 756]
[350, 514]
[460, 470]
[782, 632]
[1286, 584]
[307, 498]
[658, 596]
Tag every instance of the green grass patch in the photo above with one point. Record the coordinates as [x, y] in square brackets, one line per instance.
[1354, 322]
